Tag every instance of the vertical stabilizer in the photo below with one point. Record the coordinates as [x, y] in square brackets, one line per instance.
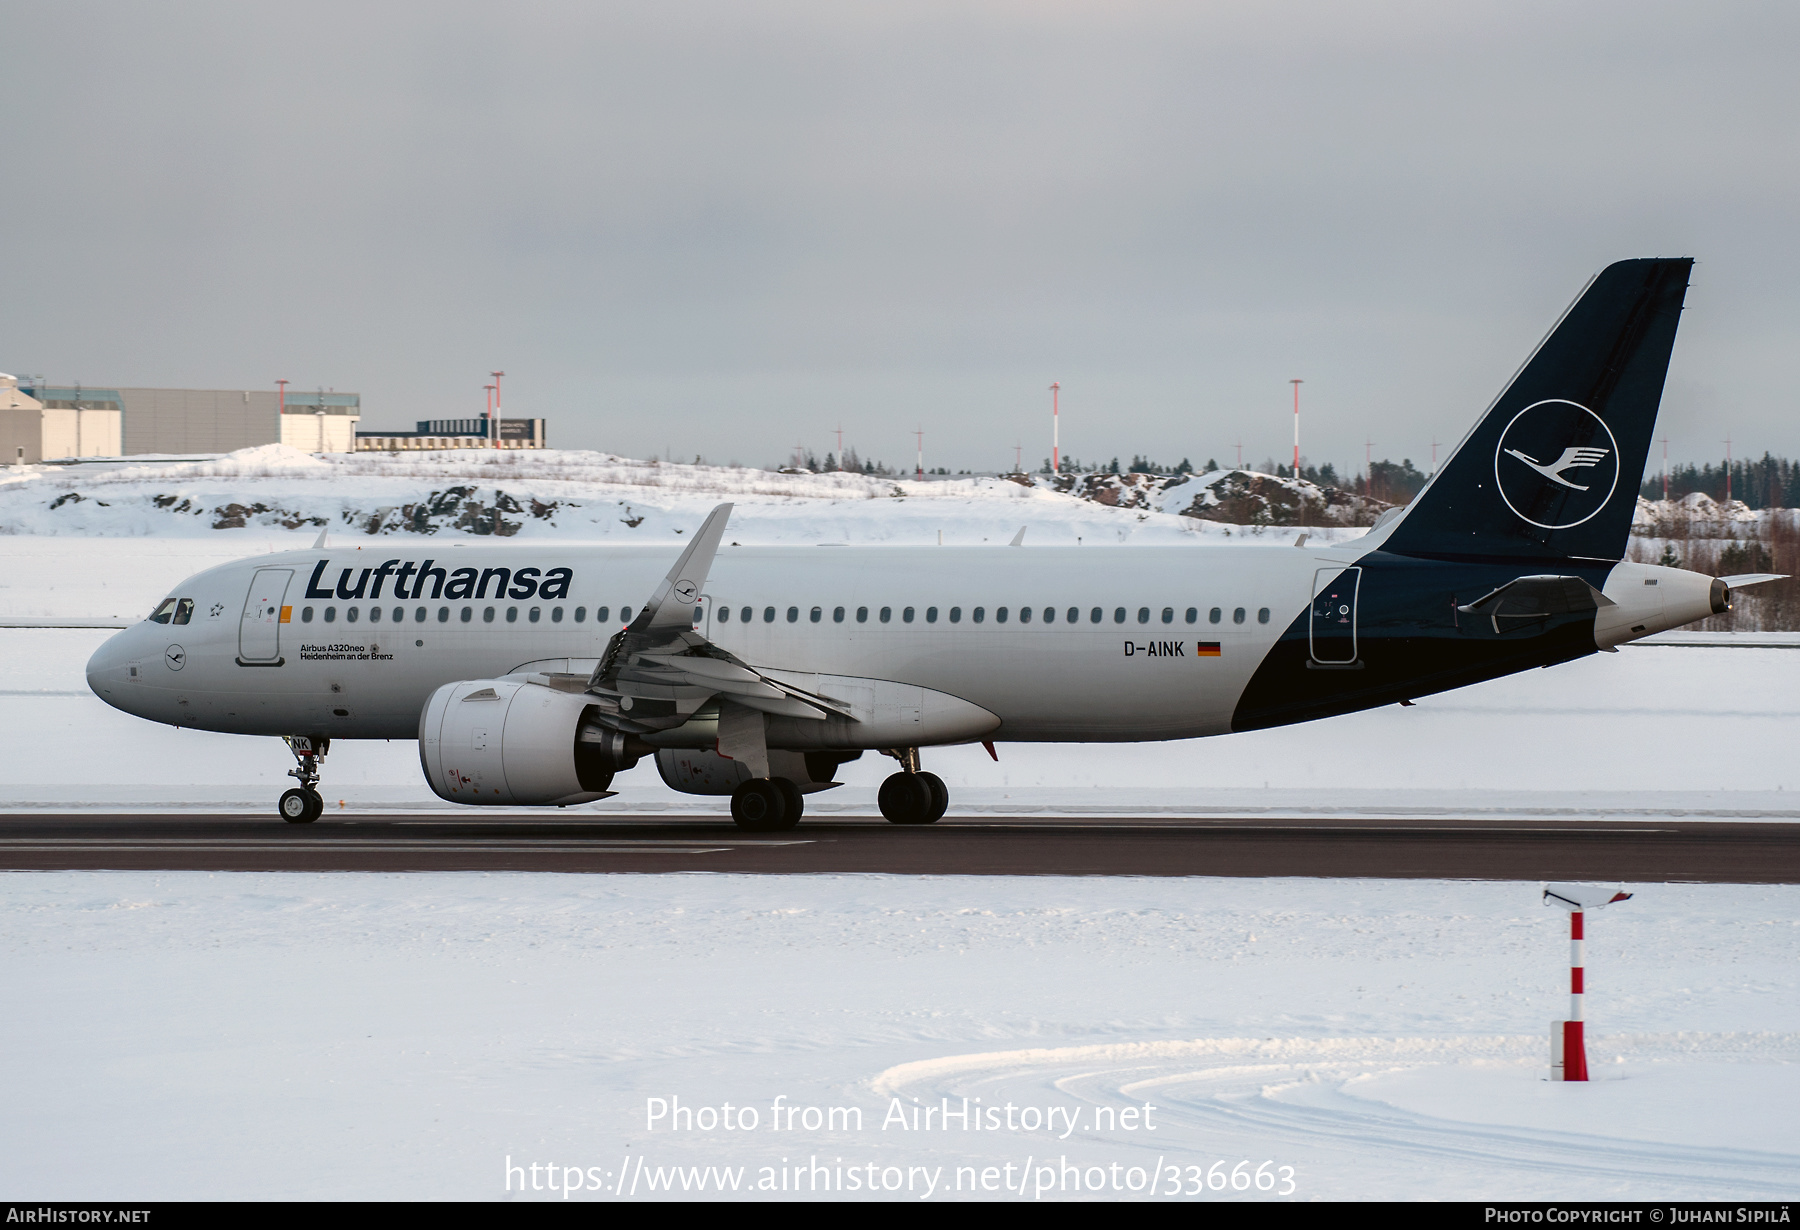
[1553, 468]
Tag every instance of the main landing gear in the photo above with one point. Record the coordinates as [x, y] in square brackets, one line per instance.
[912, 796]
[303, 805]
[767, 805]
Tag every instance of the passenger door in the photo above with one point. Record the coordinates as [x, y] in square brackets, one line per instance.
[259, 631]
[1333, 636]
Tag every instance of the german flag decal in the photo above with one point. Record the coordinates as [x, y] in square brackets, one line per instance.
[1206, 649]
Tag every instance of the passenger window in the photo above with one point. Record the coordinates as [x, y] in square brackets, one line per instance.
[555, 614]
[1119, 615]
[1073, 614]
[1143, 614]
[352, 613]
[1262, 616]
[1237, 616]
[906, 616]
[978, 614]
[837, 614]
[536, 614]
[581, 614]
[1215, 615]
[624, 614]
[793, 614]
[816, 615]
[724, 614]
[768, 614]
[399, 615]
[930, 614]
[330, 614]
[305, 614]
[443, 614]
[1049, 614]
[374, 614]
[955, 614]
[1024, 614]
[419, 616]
[862, 614]
[512, 614]
[468, 613]
[162, 613]
[184, 610]
[1000, 615]
[1168, 614]
[887, 613]
[1193, 614]
[487, 614]
[1094, 616]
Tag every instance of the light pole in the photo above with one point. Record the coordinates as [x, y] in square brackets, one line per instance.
[1055, 428]
[1296, 384]
[281, 406]
[494, 418]
[921, 470]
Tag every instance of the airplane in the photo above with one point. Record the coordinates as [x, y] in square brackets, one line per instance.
[531, 675]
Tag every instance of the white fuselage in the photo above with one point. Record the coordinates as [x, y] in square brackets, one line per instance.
[991, 625]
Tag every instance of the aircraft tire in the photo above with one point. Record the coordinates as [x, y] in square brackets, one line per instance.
[906, 799]
[300, 806]
[761, 806]
[940, 797]
[790, 790]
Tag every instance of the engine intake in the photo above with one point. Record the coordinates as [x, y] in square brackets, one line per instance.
[496, 742]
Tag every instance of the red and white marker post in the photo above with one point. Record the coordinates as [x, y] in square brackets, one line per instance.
[1568, 1045]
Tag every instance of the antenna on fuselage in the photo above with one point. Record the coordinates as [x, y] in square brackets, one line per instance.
[319, 542]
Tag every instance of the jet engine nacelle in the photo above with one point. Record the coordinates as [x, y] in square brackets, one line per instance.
[512, 741]
[704, 771]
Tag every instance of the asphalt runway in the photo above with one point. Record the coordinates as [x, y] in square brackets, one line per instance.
[1645, 851]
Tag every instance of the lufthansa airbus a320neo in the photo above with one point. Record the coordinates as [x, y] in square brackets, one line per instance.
[532, 674]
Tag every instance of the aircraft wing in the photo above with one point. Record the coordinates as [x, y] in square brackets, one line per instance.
[658, 671]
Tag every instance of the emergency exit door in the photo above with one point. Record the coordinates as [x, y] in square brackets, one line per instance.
[259, 631]
[1334, 615]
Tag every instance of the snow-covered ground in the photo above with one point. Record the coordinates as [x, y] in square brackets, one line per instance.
[403, 1036]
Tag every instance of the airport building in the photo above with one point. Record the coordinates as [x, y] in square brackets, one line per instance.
[46, 423]
[40, 423]
[455, 433]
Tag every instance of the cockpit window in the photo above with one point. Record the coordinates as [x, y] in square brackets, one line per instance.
[184, 610]
[163, 612]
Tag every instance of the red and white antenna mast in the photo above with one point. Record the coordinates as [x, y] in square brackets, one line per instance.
[1665, 469]
[284, 385]
[1728, 469]
[494, 415]
[1055, 427]
[1368, 468]
[1296, 384]
[840, 440]
[921, 470]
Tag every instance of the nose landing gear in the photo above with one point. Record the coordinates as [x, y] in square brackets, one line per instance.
[912, 796]
[303, 805]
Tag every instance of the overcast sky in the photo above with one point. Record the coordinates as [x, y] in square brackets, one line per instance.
[724, 229]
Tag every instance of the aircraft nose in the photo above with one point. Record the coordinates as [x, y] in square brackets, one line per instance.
[107, 670]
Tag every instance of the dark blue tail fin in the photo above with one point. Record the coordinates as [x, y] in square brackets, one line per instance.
[1553, 468]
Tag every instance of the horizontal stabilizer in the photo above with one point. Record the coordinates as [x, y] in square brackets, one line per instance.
[1746, 579]
[1529, 599]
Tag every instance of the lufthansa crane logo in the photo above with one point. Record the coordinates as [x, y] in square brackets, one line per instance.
[1557, 464]
[686, 590]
